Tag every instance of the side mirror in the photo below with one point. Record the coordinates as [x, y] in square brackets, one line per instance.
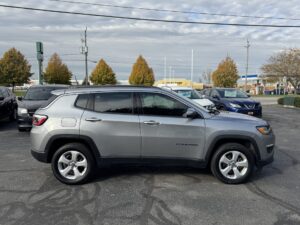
[1, 98]
[20, 98]
[191, 113]
[248, 95]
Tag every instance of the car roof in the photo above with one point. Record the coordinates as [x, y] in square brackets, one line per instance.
[219, 88]
[89, 89]
[178, 88]
[50, 86]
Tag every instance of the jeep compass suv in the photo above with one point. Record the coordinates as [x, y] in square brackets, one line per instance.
[81, 129]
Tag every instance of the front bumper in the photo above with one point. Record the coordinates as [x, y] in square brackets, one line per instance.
[265, 162]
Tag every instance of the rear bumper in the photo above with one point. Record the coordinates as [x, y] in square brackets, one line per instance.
[39, 156]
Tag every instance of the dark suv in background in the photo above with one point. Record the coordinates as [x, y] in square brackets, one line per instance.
[8, 104]
[233, 100]
[34, 98]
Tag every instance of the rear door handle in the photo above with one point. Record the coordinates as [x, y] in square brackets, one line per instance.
[93, 119]
[151, 122]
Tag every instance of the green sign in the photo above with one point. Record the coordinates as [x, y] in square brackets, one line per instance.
[39, 47]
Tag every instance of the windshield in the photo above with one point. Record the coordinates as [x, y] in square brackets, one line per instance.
[232, 93]
[191, 94]
[40, 93]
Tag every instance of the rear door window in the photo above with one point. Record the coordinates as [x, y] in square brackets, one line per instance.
[114, 102]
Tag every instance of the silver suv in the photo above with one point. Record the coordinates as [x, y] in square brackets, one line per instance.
[82, 129]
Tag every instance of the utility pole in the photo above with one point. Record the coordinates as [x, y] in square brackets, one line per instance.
[84, 50]
[165, 69]
[40, 58]
[170, 74]
[247, 64]
[192, 68]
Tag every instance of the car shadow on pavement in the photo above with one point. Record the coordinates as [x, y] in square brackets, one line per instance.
[125, 171]
[6, 125]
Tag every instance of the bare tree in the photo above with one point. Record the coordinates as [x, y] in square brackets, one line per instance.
[284, 64]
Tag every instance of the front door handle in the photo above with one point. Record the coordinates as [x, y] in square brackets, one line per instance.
[151, 122]
[93, 119]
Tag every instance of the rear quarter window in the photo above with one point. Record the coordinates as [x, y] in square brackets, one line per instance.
[82, 101]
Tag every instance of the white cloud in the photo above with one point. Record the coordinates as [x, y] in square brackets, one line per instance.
[121, 41]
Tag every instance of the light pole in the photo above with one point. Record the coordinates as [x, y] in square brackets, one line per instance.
[192, 68]
[84, 50]
[247, 64]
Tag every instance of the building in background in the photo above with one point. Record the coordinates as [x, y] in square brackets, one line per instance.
[179, 82]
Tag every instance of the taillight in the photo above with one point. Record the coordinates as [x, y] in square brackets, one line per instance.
[38, 120]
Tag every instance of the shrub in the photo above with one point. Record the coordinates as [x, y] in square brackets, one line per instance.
[297, 102]
[289, 100]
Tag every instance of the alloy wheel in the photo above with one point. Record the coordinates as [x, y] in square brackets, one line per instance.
[72, 165]
[233, 165]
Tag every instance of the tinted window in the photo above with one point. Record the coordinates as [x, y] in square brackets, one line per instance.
[214, 93]
[40, 93]
[1, 93]
[8, 92]
[113, 103]
[207, 92]
[161, 105]
[5, 93]
[82, 101]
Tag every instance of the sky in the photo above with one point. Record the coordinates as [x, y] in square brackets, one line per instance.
[120, 42]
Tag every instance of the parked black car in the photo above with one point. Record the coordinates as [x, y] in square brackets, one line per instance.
[34, 98]
[8, 104]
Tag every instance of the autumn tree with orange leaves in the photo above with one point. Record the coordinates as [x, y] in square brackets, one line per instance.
[141, 73]
[103, 74]
[226, 75]
[57, 72]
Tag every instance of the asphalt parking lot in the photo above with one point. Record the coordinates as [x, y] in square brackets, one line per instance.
[29, 194]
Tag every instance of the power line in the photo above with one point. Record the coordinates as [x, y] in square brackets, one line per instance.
[175, 11]
[149, 19]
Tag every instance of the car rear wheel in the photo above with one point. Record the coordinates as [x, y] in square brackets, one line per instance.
[232, 163]
[73, 164]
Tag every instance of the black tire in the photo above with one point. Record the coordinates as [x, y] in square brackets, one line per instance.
[22, 129]
[13, 116]
[227, 149]
[82, 149]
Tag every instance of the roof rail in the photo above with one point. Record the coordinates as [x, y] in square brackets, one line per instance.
[108, 86]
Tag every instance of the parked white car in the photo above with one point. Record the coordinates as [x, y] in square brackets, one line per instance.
[191, 94]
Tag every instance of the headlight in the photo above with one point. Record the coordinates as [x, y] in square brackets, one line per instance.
[264, 129]
[22, 111]
[235, 105]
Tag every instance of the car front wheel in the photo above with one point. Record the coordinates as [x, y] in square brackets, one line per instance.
[73, 164]
[232, 163]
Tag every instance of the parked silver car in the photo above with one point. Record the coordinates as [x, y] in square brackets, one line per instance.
[81, 129]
